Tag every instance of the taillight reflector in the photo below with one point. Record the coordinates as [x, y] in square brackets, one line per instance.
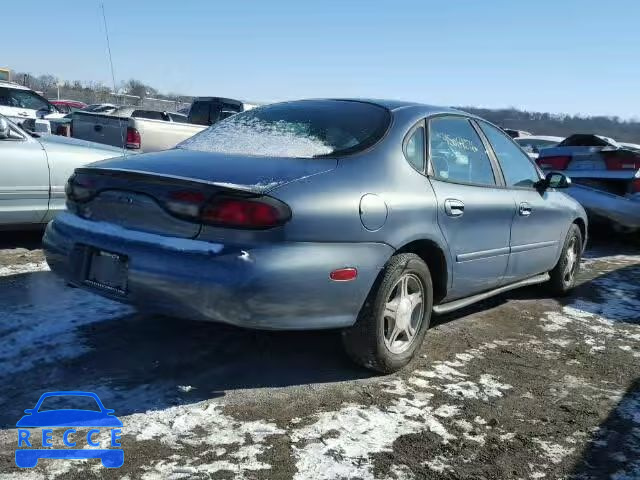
[560, 162]
[343, 274]
[133, 138]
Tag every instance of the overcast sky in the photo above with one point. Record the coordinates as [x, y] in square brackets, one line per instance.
[573, 56]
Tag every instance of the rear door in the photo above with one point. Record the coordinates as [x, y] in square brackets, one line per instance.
[24, 180]
[542, 218]
[475, 212]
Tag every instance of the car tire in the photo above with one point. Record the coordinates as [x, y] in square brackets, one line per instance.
[563, 275]
[385, 340]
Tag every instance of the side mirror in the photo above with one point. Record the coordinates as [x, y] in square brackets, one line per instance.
[5, 130]
[556, 180]
[43, 112]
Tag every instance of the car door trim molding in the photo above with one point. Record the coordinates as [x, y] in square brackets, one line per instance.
[482, 254]
[533, 246]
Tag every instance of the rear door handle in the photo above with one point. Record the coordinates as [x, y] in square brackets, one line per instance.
[97, 128]
[453, 207]
[525, 209]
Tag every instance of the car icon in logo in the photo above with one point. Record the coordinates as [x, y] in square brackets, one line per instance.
[102, 419]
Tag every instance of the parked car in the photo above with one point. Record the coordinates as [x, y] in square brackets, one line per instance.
[34, 171]
[322, 214]
[533, 143]
[134, 128]
[605, 174]
[68, 106]
[19, 103]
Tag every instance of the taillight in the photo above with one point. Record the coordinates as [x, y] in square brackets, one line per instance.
[619, 163]
[133, 138]
[79, 188]
[559, 162]
[264, 212]
[635, 186]
[63, 130]
[186, 203]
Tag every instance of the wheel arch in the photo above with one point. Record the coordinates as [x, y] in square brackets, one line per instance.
[434, 256]
[582, 225]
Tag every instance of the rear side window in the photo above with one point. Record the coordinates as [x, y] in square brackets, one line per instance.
[414, 149]
[456, 152]
[516, 166]
[300, 129]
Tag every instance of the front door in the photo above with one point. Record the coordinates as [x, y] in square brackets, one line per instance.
[541, 219]
[474, 212]
[24, 180]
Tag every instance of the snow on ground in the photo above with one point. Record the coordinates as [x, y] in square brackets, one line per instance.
[42, 330]
[6, 270]
[455, 398]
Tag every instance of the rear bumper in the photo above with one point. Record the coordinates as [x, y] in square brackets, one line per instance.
[276, 286]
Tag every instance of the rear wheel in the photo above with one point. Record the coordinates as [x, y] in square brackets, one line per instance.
[563, 275]
[395, 317]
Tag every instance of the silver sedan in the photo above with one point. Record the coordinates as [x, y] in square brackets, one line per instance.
[33, 171]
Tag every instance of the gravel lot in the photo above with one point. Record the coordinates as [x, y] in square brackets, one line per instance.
[522, 386]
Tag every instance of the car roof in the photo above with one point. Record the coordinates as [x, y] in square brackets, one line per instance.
[392, 105]
[17, 86]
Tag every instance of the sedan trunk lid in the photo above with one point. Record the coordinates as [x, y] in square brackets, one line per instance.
[239, 172]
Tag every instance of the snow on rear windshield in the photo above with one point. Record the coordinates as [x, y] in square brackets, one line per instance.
[301, 129]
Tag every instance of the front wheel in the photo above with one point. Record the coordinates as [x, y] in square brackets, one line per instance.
[563, 275]
[395, 317]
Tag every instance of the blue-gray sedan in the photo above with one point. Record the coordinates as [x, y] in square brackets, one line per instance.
[361, 215]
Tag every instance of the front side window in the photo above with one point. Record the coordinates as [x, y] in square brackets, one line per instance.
[22, 99]
[457, 153]
[516, 166]
[414, 149]
[300, 129]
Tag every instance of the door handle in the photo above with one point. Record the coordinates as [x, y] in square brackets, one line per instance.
[453, 207]
[525, 209]
[97, 128]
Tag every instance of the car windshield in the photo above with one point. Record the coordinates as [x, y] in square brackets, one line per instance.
[302, 129]
[65, 402]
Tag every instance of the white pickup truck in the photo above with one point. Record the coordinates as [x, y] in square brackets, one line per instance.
[134, 128]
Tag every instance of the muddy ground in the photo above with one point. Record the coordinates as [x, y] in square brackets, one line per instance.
[519, 387]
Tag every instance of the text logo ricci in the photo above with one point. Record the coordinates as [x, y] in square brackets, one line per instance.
[33, 446]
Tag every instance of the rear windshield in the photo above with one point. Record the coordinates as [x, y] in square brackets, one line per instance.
[301, 129]
[580, 140]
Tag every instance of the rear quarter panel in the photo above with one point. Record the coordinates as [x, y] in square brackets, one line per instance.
[326, 207]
